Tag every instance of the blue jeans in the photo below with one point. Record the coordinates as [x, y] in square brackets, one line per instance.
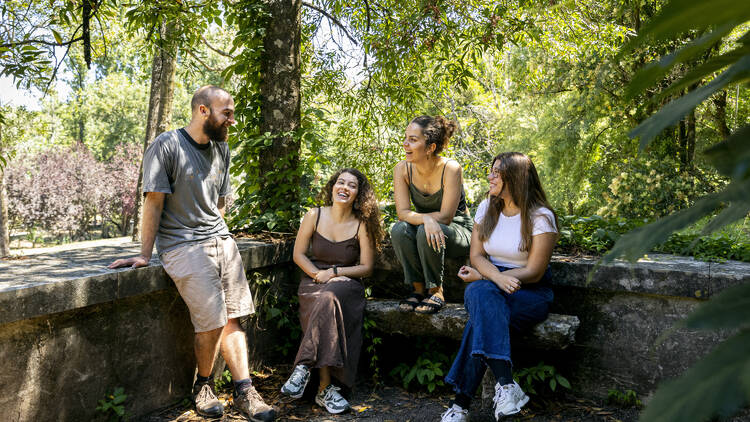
[492, 314]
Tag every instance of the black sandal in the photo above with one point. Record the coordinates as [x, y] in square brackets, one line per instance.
[433, 308]
[413, 305]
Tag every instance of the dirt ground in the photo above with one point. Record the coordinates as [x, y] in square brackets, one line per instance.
[388, 403]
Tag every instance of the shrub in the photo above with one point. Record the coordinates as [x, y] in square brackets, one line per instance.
[655, 188]
[66, 190]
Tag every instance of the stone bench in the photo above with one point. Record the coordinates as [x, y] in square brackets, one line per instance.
[557, 332]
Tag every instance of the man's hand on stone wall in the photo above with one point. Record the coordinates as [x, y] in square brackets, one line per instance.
[135, 262]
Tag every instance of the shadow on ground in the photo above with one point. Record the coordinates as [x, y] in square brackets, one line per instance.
[390, 403]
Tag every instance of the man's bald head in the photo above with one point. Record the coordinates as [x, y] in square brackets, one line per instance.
[205, 95]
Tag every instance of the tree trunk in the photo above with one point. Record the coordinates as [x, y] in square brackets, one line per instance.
[280, 104]
[720, 114]
[4, 230]
[159, 115]
[690, 139]
[682, 141]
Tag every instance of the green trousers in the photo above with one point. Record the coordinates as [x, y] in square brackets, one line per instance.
[421, 263]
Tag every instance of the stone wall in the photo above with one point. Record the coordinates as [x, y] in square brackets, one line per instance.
[624, 308]
[71, 331]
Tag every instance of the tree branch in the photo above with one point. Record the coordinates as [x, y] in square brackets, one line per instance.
[53, 44]
[193, 55]
[332, 19]
[216, 50]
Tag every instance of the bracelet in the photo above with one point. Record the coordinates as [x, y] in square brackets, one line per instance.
[335, 270]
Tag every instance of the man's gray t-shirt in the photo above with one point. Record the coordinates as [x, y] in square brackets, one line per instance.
[193, 176]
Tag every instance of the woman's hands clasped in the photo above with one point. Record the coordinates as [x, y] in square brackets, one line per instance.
[327, 276]
[434, 233]
[506, 283]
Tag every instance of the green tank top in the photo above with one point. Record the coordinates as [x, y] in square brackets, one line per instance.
[427, 203]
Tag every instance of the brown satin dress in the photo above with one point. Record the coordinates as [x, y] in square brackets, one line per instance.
[331, 314]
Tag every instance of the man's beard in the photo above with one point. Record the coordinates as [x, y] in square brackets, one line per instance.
[215, 131]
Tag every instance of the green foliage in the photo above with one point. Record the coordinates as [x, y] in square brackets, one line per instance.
[428, 369]
[628, 398]
[596, 235]
[593, 234]
[372, 341]
[279, 309]
[719, 384]
[426, 372]
[655, 188]
[32, 30]
[112, 406]
[224, 381]
[255, 208]
[540, 376]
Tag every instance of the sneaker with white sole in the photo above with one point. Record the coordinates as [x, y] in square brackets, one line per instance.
[455, 414]
[508, 400]
[331, 400]
[294, 387]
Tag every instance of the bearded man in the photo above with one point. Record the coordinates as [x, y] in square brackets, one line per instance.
[185, 182]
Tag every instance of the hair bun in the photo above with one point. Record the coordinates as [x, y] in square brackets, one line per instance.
[437, 130]
[448, 126]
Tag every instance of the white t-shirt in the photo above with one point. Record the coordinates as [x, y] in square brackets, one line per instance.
[503, 246]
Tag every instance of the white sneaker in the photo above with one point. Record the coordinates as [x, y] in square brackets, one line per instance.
[295, 385]
[508, 400]
[455, 414]
[331, 400]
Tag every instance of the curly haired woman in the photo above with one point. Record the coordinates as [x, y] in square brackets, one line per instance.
[335, 246]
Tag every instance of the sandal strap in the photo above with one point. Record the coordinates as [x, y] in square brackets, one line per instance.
[413, 295]
[430, 305]
[433, 307]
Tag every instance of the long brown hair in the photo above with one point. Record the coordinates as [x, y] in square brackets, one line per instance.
[365, 207]
[521, 180]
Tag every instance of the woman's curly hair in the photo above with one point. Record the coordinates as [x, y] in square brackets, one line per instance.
[365, 207]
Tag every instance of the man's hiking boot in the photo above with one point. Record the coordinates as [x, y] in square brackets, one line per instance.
[206, 403]
[251, 404]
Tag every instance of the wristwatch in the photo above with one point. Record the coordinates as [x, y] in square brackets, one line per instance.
[335, 270]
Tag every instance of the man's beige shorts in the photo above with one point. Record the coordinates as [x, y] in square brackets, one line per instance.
[211, 280]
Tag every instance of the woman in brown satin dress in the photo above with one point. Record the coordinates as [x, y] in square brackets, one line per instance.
[335, 247]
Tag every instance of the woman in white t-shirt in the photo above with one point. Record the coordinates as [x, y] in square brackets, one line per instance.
[514, 233]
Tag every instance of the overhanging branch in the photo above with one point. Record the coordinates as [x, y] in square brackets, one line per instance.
[43, 42]
[216, 50]
[332, 19]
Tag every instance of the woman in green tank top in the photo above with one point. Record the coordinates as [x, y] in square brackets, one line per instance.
[433, 217]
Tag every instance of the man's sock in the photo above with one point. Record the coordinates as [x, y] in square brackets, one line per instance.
[203, 380]
[501, 369]
[241, 386]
